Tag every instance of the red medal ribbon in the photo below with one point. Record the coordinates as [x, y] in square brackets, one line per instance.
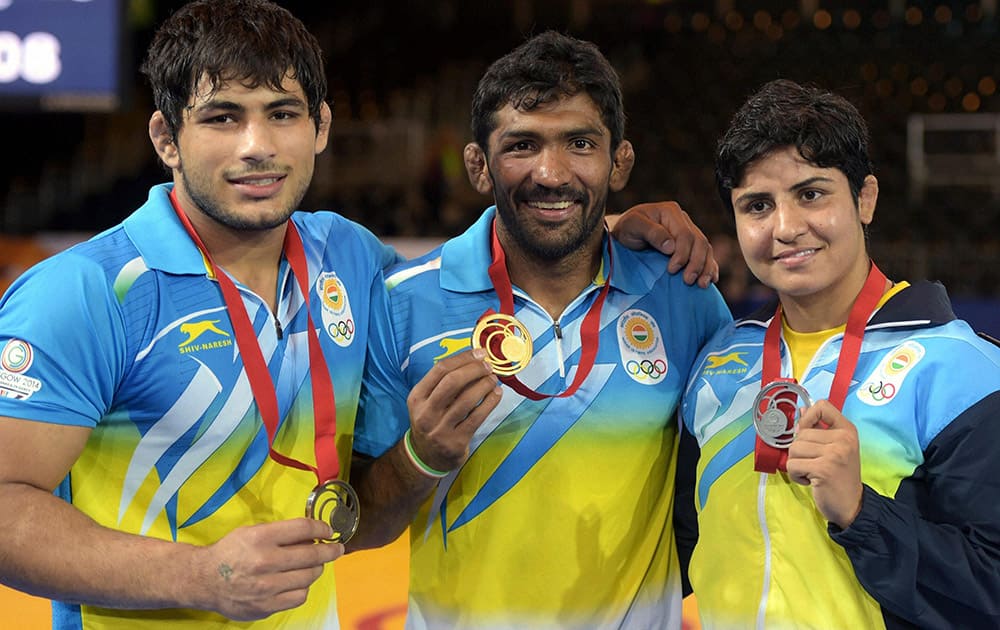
[324, 415]
[768, 458]
[590, 329]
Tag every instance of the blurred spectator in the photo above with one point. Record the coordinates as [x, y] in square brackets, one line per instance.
[17, 253]
[741, 290]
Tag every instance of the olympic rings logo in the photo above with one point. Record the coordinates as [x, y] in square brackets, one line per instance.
[881, 391]
[344, 329]
[644, 369]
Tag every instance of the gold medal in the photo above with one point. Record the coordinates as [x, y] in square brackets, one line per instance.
[506, 341]
[335, 502]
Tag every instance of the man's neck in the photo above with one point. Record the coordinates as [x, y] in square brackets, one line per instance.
[250, 257]
[554, 284]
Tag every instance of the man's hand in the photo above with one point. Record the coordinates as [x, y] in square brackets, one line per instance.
[826, 455]
[258, 570]
[448, 405]
[666, 227]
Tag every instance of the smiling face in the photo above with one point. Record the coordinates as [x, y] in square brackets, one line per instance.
[550, 170]
[243, 157]
[802, 233]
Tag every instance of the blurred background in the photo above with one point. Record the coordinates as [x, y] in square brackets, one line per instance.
[77, 159]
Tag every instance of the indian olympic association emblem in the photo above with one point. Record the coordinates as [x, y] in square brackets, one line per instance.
[338, 320]
[885, 380]
[640, 344]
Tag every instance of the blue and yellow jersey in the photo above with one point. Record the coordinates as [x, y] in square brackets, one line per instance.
[137, 344]
[924, 400]
[561, 517]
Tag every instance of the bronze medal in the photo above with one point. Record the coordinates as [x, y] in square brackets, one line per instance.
[335, 502]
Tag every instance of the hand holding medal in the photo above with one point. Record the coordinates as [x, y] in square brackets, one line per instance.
[446, 408]
[826, 455]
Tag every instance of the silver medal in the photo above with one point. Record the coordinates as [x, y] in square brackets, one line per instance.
[776, 411]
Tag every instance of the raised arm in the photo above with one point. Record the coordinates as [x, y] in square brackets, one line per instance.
[445, 408]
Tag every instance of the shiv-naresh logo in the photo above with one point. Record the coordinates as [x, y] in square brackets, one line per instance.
[451, 346]
[195, 330]
[718, 360]
[725, 363]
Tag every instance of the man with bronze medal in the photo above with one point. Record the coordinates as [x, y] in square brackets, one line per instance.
[519, 418]
[847, 472]
[191, 398]
[178, 394]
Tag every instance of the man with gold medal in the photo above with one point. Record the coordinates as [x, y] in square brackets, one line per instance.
[545, 499]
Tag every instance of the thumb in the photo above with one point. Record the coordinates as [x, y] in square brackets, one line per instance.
[822, 415]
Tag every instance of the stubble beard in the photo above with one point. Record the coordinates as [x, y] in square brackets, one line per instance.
[268, 219]
[533, 243]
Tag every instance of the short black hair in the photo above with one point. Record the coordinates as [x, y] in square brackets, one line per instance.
[826, 129]
[255, 42]
[547, 67]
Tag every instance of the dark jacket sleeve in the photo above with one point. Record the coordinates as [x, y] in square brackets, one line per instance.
[930, 556]
[685, 514]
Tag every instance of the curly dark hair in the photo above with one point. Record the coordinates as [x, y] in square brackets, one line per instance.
[826, 129]
[255, 42]
[547, 67]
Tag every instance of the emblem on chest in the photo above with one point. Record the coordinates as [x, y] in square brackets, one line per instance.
[640, 344]
[338, 320]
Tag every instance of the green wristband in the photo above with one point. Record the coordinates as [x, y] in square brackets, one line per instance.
[416, 461]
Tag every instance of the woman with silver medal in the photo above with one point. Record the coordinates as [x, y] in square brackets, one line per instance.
[846, 475]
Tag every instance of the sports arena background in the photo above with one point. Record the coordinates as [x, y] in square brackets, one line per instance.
[401, 74]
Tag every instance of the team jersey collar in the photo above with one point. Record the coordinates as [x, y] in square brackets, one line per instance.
[465, 259]
[465, 262]
[161, 239]
[921, 304]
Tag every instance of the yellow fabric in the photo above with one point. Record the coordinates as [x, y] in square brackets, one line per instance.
[499, 581]
[804, 345]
